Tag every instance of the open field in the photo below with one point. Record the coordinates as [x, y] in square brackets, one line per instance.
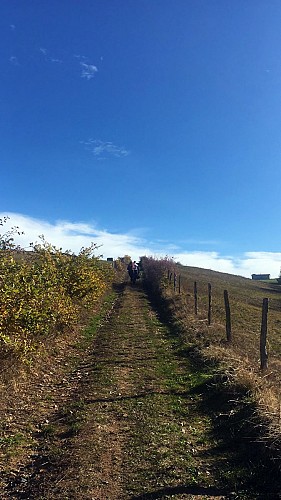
[245, 297]
[240, 359]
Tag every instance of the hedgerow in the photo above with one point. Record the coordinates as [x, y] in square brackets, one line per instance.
[155, 272]
[43, 291]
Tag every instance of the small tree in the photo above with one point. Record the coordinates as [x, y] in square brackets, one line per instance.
[126, 259]
[7, 239]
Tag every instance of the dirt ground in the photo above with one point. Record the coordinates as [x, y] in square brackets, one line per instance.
[127, 423]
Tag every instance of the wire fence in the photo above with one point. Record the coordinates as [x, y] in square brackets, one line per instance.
[175, 280]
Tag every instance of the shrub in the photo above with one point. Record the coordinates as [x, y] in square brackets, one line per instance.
[155, 272]
[42, 292]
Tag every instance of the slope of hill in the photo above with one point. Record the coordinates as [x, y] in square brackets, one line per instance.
[239, 359]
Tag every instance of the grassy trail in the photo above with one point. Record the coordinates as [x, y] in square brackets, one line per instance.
[135, 426]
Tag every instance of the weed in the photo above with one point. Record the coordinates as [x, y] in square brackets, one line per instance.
[48, 431]
[11, 444]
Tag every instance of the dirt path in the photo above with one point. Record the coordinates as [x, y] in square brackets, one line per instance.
[134, 426]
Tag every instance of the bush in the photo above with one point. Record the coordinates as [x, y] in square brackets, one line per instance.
[155, 272]
[42, 292]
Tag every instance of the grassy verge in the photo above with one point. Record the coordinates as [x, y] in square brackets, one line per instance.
[230, 399]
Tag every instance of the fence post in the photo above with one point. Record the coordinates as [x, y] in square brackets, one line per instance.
[263, 351]
[170, 278]
[195, 299]
[175, 281]
[210, 303]
[228, 318]
[179, 283]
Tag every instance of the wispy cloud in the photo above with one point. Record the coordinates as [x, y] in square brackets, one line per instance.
[49, 58]
[190, 241]
[14, 61]
[104, 150]
[80, 57]
[12, 27]
[88, 70]
[74, 235]
[75, 63]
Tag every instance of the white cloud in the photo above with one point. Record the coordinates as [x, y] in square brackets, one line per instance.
[80, 58]
[263, 262]
[74, 235]
[190, 241]
[47, 57]
[247, 264]
[14, 61]
[104, 150]
[88, 71]
[44, 51]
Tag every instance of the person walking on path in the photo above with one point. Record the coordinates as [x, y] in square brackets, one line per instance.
[130, 270]
[135, 270]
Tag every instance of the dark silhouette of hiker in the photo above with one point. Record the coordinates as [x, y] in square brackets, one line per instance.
[130, 270]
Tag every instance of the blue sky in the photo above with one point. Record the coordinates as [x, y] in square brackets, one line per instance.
[150, 127]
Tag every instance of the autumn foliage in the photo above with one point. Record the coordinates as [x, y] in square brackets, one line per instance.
[42, 292]
[155, 272]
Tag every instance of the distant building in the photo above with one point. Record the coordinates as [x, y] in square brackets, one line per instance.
[261, 277]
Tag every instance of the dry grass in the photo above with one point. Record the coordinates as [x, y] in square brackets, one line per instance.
[239, 360]
[126, 413]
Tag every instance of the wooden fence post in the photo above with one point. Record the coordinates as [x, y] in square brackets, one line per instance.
[228, 318]
[195, 299]
[209, 303]
[175, 282]
[179, 283]
[263, 351]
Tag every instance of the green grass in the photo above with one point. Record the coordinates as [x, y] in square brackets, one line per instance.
[11, 445]
[98, 319]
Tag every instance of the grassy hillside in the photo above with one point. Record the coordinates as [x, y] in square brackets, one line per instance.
[245, 297]
[239, 360]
